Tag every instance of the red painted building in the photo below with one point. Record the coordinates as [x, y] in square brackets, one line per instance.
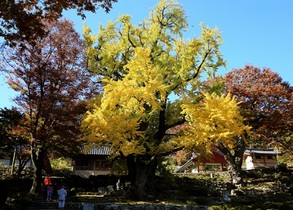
[198, 163]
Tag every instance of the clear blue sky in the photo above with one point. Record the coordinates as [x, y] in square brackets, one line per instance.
[257, 32]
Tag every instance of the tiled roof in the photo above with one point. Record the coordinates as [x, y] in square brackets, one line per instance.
[95, 150]
[262, 151]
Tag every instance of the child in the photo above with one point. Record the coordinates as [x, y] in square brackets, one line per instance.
[50, 190]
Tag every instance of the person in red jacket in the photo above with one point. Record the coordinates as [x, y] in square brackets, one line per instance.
[47, 182]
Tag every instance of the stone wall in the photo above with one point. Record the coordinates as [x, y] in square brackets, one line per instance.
[108, 206]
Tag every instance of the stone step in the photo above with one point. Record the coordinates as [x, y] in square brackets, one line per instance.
[108, 206]
[42, 208]
[40, 204]
[44, 205]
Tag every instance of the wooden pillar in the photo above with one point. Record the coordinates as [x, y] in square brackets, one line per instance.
[264, 160]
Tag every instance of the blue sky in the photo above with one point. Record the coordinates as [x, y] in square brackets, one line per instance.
[257, 32]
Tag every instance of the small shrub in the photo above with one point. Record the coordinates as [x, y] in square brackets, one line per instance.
[228, 207]
[61, 166]
[215, 208]
[253, 174]
[191, 203]
[282, 167]
[276, 205]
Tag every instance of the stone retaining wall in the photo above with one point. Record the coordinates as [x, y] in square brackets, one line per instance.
[108, 206]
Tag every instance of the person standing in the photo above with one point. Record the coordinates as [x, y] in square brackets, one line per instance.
[47, 182]
[62, 193]
[50, 190]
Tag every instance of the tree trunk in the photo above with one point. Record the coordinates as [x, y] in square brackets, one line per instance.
[235, 161]
[13, 162]
[141, 171]
[235, 172]
[37, 159]
[21, 166]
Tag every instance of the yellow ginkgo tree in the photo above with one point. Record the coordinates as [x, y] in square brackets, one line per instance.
[215, 123]
[149, 73]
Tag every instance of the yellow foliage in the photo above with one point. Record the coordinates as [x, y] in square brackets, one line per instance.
[214, 120]
[141, 68]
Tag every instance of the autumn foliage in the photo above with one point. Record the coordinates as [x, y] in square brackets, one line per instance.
[267, 104]
[142, 68]
[24, 20]
[214, 121]
[53, 85]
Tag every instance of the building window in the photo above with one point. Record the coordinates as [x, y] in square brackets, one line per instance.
[258, 157]
[102, 165]
[270, 157]
[83, 164]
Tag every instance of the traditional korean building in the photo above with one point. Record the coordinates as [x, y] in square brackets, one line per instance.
[260, 158]
[253, 159]
[92, 162]
[198, 163]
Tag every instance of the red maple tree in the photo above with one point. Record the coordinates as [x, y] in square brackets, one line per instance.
[53, 84]
[24, 20]
[266, 103]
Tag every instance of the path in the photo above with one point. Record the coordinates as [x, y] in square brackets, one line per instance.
[41, 204]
